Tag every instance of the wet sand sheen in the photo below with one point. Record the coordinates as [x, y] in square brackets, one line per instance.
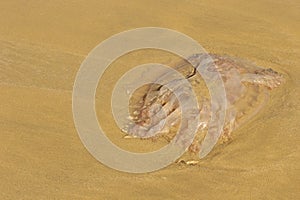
[41, 48]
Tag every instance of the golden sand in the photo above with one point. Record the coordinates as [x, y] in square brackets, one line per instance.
[42, 44]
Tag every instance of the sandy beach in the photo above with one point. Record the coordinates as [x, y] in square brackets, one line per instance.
[42, 45]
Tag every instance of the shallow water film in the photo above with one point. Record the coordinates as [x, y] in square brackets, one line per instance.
[42, 46]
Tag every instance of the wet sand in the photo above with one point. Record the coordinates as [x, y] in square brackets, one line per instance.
[42, 45]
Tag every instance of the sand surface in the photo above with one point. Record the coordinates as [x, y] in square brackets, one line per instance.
[42, 44]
